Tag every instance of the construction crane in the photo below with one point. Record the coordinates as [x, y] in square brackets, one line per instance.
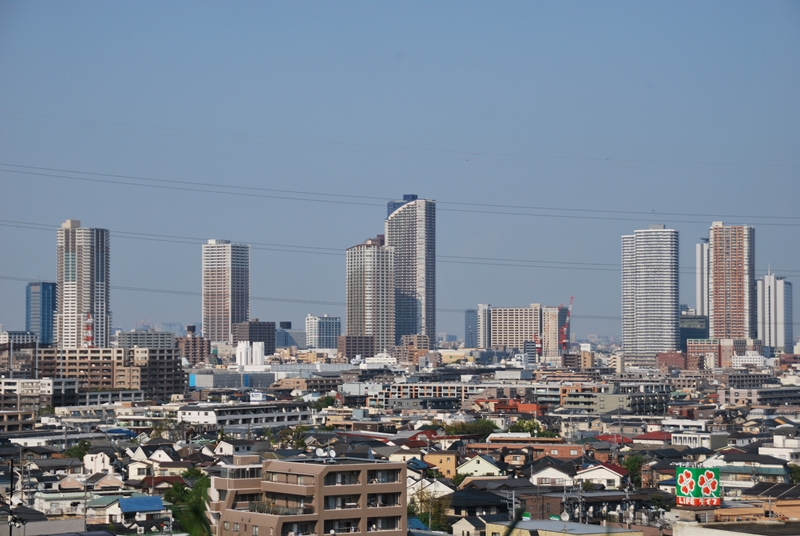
[565, 328]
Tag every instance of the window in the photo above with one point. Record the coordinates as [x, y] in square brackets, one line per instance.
[255, 530]
[554, 452]
[544, 480]
[226, 525]
[573, 452]
[610, 482]
[236, 527]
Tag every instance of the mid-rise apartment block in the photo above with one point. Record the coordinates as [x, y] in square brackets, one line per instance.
[193, 348]
[145, 339]
[305, 496]
[323, 331]
[351, 346]
[513, 326]
[256, 331]
[157, 372]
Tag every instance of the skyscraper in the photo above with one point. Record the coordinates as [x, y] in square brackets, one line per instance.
[411, 231]
[484, 325]
[650, 309]
[83, 317]
[471, 328]
[553, 319]
[40, 310]
[774, 297]
[226, 288]
[370, 301]
[323, 331]
[728, 283]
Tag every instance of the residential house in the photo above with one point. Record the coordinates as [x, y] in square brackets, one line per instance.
[610, 475]
[480, 465]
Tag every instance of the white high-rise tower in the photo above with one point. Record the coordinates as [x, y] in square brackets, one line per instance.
[83, 317]
[650, 309]
[226, 288]
[775, 313]
[411, 231]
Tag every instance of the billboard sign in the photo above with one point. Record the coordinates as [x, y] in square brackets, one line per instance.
[697, 486]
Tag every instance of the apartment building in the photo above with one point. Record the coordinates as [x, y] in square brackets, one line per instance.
[193, 348]
[278, 414]
[513, 326]
[301, 497]
[157, 372]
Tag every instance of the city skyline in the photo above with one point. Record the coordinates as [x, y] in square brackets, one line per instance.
[543, 133]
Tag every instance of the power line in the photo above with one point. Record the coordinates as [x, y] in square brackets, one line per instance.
[277, 300]
[336, 252]
[291, 195]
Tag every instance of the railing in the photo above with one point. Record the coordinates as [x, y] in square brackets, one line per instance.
[263, 508]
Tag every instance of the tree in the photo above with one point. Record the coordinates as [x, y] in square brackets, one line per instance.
[794, 473]
[533, 427]
[428, 507]
[633, 464]
[189, 504]
[78, 451]
[458, 479]
[484, 427]
[324, 402]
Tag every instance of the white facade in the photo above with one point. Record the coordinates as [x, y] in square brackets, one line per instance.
[323, 331]
[484, 325]
[650, 309]
[250, 353]
[83, 316]
[749, 358]
[226, 288]
[370, 302]
[411, 231]
[775, 312]
[702, 273]
[553, 319]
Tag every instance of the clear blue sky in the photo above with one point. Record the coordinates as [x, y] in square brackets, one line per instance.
[572, 107]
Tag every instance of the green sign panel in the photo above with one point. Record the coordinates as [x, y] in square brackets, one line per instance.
[697, 486]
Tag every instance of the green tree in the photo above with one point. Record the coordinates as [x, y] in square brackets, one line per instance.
[633, 464]
[189, 505]
[78, 451]
[324, 402]
[459, 478]
[533, 427]
[427, 507]
[483, 427]
[794, 473]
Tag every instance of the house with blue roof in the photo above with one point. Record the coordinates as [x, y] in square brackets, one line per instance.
[137, 509]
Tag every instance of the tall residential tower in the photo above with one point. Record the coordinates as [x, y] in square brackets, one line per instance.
[726, 281]
[370, 302]
[775, 313]
[650, 309]
[226, 288]
[411, 232]
[83, 316]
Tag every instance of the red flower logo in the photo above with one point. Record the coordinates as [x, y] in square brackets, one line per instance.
[686, 482]
[708, 483]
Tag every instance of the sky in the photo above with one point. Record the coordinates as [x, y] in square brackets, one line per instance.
[544, 130]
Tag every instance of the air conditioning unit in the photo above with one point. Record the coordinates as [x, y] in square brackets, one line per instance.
[139, 530]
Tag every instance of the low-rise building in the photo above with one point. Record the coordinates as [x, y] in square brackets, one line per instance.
[300, 497]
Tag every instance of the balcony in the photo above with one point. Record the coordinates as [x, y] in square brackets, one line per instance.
[271, 509]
